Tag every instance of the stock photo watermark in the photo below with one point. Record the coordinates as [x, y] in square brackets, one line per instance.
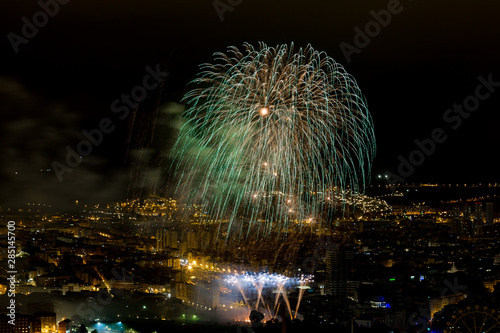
[310, 264]
[223, 6]
[11, 271]
[89, 309]
[452, 117]
[121, 107]
[30, 28]
[421, 320]
[423, 317]
[372, 29]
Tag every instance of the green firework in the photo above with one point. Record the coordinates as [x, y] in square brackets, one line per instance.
[269, 134]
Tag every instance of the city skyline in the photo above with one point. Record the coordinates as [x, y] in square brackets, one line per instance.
[165, 268]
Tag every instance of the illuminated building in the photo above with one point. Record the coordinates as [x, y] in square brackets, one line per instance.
[456, 223]
[192, 242]
[467, 213]
[478, 219]
[437, 304]
[47, 321]
[173, 239]
[478, 211]
[64, 326]
[23, 324]
[166, 239]
[161, 240]
[490, 285]
[338, 270]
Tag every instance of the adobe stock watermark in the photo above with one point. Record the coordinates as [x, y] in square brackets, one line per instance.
[89, 309]
[423, 317]
[121, 107]
[310, 264]
[372, 29]
[223, 6]
[454, 118]
[30, 28]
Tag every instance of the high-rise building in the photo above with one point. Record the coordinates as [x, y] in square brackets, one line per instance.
[183, 248]
[338, 270]
[213, 294]
[166, 239]
[478, 211]
[22, 324]
[161, 240]
[192, 241]
[173, 239]
[456, 227]
[36, 325]
[456, 223]
[478, 219]
[64, 326]
[205, 240]
[47, 321]
[467, 227]
[467, 213]
[490, 213]
[466, 220]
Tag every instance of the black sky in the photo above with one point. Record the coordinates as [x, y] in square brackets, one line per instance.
[66, 77]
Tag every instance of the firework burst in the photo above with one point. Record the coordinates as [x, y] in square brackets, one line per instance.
[268, 131]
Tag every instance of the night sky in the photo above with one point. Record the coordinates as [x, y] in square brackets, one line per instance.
[65, 78]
